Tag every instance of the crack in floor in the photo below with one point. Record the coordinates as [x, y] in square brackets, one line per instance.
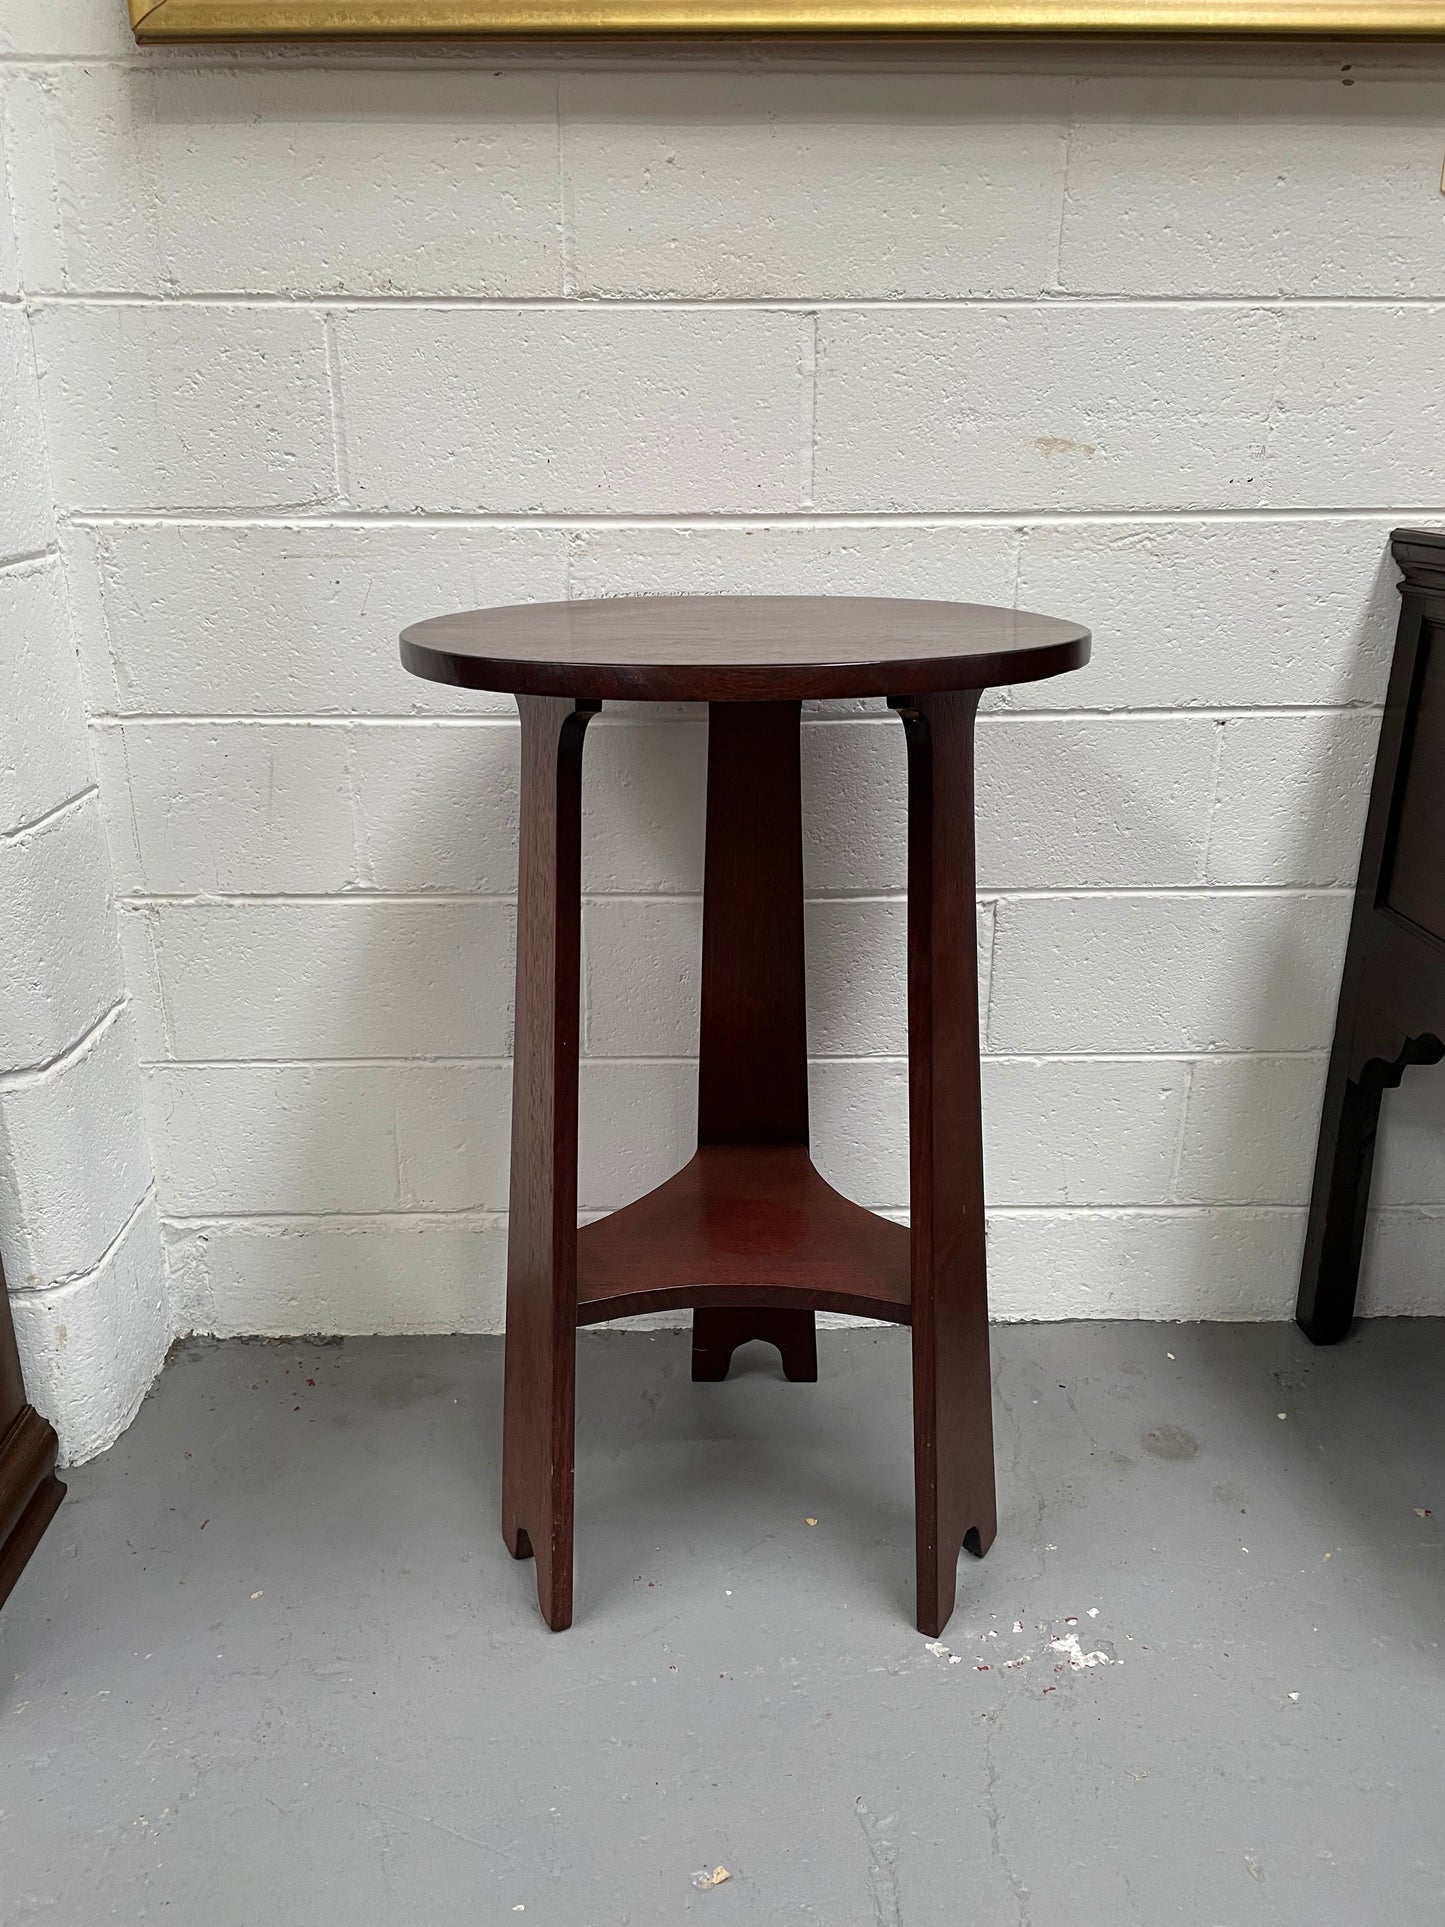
[882, 1865]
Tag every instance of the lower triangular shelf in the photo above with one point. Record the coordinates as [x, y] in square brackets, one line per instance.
[743, 1224]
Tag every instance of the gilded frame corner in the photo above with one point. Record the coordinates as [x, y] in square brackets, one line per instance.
[156, 22]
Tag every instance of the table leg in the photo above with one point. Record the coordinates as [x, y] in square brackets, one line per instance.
[1370, 1056]
[539, 1405]
[29, 1489]
[753, 1041]
[952, 1404]
[1335, 1235]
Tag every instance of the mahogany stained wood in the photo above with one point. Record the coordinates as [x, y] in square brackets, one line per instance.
[954, 1503]
[1414, 882]
[1392, 992]
[740, 648]
[748, 1233]
[743, 1224]
[753, 1034]
[718, 1331]
[538, 1443]
[29, 1490]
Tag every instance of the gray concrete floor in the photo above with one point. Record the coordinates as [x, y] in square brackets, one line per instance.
[273, 1665]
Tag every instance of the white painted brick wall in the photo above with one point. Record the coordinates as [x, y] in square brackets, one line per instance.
[414, 1272]
[798, 558]
[215, 809]
[364, 977]
[141, 189]
[1106, 1263]
[25, 524]
[981, 409]
[74, 1161]
[63, 969]
[1279, 207]
[186, 407]
[43, 762]
[1217, 613]
[333, 342]
[1164, 971]
[916, 185]
[55, 28]
[299, 620]
[1250, 1130]
[526, 409]
[9, 253]
[1290, 802]
[92, 1347]
[79, 1225]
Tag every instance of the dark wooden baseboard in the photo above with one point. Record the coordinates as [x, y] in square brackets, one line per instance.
[29, 1491]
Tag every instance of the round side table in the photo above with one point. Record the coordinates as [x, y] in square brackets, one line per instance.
[748, 1234]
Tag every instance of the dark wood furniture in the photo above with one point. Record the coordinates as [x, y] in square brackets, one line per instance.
[1392, 994]
[748, 1234]
[29, 1489]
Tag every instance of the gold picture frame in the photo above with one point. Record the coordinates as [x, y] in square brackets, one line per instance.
[160, 21]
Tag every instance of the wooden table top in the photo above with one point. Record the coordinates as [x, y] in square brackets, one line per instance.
[740, 648]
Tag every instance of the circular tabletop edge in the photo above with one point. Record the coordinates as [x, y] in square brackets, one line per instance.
[900, 674]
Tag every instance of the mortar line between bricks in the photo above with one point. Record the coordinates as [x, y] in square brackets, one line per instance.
[27, 558]
[1211, 817]
[42, 822]
[808, 413]
[984, 1011]
[565, 241]
[1017, 537]
[233, 298]
[103, 547]
[22, 1074]
[78, 1280]
[991, 891]
[337, 400]
[886, 1060]
[493, 1216]
[1181, 1135]
[161, 982]
[686, 521]
[584, 980]
[1067, 120]
[691, 717]
[361, 876]
[130, 802]
[490, 1216]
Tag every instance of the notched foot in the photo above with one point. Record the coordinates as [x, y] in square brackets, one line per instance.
[718, 1331]
[978, 1539]
[711, 1364]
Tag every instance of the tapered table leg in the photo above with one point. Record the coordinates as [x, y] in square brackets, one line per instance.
[952, 1408]
[538, 1450]
[1339, 1204]
[753, 1040]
